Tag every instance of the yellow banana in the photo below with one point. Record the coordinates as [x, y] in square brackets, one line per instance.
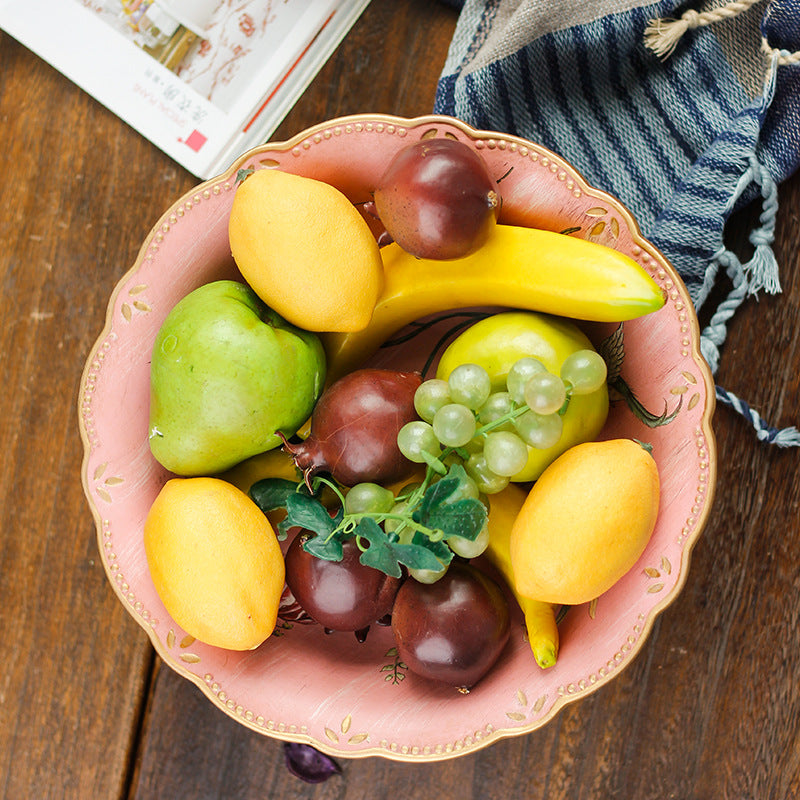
[517, 267]
[540, 617]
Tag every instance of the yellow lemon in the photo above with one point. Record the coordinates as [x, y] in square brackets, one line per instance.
[585, 522]
[306, 251]
[215, 562]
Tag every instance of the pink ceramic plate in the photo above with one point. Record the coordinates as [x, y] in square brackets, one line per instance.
[352, 699]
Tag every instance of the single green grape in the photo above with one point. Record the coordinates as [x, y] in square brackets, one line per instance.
[545, 393]
[487, 481]
[497, 405]
[427, 575]
[585, 371]
[416, 440]
[470, 385]
[520, 373]
[539, 430]
[430, 396]
[470, 548]
[454, 425]
[391, 525]
[467, 488]
[505, 453]
[364, 498]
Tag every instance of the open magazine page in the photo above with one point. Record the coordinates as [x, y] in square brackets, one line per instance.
[202, 97]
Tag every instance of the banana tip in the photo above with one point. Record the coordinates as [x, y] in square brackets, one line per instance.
[545, 656]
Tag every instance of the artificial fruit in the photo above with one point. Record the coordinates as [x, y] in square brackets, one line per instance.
[227, 374]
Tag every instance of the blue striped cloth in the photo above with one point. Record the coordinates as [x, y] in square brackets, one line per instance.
[685, 112]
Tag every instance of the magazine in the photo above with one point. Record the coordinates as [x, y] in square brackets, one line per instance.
[204, 80]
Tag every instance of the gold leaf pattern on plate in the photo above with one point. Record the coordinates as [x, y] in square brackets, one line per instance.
[689, 377]
[346, 723]
[115, 481]
[190, 658]
[597, 228]
[357, 738]
[693, 401]
[332, 735]
[539, 704]
[665, 565]
[597, 211]
[516, 716]
[652, 572]
[138, 289]
[126, 311]
[656, 587]
[141, 306]
[99, 470]
[521, 698]
[103, 494]
[187, 641]
[170, 638]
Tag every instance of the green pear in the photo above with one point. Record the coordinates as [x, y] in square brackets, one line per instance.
[227, 374]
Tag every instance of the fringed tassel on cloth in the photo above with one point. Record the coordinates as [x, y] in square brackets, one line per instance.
[760, 272]
[782, 58]
[662, 35]
[782, 437]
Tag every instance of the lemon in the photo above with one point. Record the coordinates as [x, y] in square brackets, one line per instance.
[215, 562]
[306, 251]
[585, 522]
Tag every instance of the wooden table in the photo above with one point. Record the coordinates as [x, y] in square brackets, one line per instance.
[709, 709]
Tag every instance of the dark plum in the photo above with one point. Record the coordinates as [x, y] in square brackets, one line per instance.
[437, 199]
[339, 595]
[309, 764]
[453, 630]
[354, 428]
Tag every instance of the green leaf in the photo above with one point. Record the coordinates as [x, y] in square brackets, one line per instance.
[328, 549]
[282, 531]
[306, 512]
[417, 557]
[436, 494]
[439, 549]
[422, 553]
[464, 518]
[270, 494]
[444, 507]
[380, 553]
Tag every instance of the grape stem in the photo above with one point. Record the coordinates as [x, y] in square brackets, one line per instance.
[518, 412]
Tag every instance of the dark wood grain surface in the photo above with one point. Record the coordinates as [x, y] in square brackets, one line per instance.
[710, 708]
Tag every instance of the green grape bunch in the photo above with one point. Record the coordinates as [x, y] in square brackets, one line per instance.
[490, 431]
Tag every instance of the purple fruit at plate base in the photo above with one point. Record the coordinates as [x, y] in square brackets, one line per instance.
[308, 763]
